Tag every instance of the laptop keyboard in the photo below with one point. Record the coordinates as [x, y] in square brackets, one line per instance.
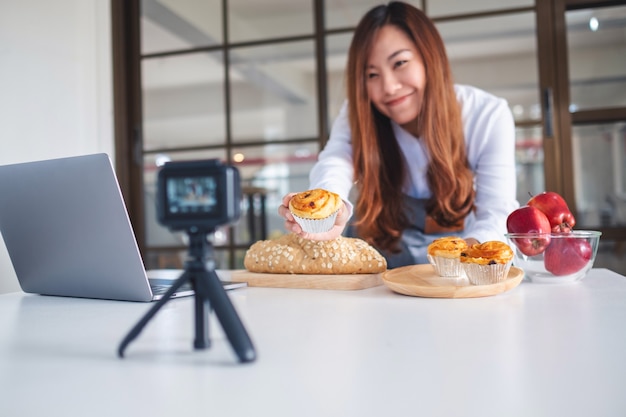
[160, 286]
[159, 289]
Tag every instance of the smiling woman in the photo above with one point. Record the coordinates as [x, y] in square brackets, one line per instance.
[396, 77]
[429, 158]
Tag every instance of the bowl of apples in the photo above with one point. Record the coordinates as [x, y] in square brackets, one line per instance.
[554, 257]
[545, 244]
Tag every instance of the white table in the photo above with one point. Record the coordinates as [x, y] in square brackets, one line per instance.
[537, 350]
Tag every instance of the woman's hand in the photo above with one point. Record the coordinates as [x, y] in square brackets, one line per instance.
[292, 226]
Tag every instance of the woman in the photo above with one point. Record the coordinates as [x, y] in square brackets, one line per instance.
[428, 158]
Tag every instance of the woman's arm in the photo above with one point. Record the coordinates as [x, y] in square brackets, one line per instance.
[333, 172]
[491, 152]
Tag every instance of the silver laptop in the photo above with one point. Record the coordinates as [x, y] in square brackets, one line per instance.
[68, 233]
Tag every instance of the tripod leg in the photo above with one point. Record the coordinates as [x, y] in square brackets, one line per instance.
[227, 315]
[134, 332]
[203, 308]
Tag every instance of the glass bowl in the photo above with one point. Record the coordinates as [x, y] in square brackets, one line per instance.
[555, 257]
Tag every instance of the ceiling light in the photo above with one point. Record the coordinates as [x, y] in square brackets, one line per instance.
[161, 159]
[594, 24]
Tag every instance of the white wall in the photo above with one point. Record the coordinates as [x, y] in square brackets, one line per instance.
[56, 94]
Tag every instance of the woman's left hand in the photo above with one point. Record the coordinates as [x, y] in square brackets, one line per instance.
[291, 225]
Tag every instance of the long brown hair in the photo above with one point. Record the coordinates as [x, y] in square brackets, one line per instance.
[379, 168]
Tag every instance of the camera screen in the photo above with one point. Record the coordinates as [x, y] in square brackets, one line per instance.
[191, 195]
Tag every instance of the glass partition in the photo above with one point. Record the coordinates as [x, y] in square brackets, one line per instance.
[257, 20]
[529, 160]
[336, 60]
[183, 101]
[342, 14]
[597, 57]
[499, 55]
[169, 25]
[273, 92]
[437, 8]
[600, 174]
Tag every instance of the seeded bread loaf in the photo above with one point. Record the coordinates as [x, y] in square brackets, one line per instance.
[291, 254]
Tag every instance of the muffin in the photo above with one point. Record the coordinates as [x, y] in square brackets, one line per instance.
[315, 210]
[487, 263]
[444, 255]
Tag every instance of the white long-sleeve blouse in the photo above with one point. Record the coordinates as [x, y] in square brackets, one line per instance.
[489, 132]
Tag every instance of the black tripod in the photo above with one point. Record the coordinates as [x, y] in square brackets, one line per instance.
[200, 272]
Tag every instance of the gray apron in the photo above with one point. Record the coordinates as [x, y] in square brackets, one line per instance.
[414, 240]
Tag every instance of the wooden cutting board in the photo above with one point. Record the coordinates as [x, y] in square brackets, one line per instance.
[422, 281]
[321, 282]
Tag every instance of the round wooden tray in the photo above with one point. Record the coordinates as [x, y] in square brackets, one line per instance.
[422, 281]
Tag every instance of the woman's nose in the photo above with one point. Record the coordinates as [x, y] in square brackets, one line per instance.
[391, 84]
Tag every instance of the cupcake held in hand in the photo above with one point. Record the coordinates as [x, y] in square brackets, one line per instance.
[487, 263]
[444, 255]
[315, 210]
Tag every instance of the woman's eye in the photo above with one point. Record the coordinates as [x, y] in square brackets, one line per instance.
[400, 63]
[372, 75]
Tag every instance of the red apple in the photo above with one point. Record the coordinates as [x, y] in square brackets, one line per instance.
[528, 219]
[567, 255]
[555, 208]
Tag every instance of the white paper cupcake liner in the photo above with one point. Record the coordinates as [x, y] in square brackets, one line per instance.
[316, 225]
[486, 274]
[446, 267]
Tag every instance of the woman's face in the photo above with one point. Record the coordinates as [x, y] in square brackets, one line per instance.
[396, 77]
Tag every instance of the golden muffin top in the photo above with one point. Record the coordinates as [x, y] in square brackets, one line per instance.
[447, 247]
[315, 204]
[486, 253]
